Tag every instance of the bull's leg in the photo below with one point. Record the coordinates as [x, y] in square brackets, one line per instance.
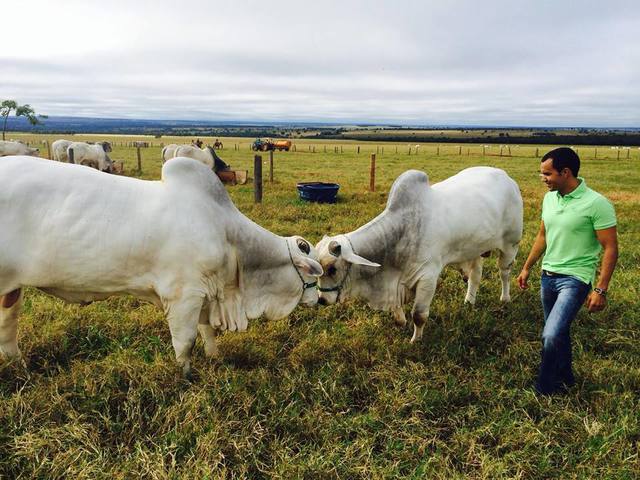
[399, 317]
[475, 275]
[9, 309]
[505, 262]
[424, 295]
[183, 315]
[207, 333]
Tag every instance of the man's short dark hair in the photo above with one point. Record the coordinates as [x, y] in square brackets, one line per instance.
[563, 157]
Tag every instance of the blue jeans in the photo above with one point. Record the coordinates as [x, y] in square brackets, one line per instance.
[562, 296]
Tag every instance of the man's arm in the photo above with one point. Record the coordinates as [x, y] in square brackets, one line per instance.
[538, 248]
[608, 238]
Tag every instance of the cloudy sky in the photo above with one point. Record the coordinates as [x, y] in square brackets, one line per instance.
[542, 63]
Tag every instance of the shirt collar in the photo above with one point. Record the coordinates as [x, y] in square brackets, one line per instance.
[577, 192]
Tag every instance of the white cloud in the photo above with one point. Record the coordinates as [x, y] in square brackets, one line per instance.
[462, 62]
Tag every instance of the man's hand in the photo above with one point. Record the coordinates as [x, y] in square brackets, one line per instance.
[596, 302]
[523, 279]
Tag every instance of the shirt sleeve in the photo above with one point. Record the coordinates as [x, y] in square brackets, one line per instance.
[604, 215]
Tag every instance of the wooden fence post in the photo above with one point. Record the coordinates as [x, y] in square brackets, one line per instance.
[438, 151]
[341, 149]
[618, 154]
[139, 160]
[358, 148]
[595, 155]
[257, 179]
[271, 166]
[396, 148]
[372, 173]
[460, 150]
[536, 152]
[49, 149]
[381, 150]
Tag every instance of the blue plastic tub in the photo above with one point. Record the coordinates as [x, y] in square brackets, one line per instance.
[318, 191]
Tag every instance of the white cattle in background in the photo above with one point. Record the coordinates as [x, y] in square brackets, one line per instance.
[179, 242]
[94, 156]
[59, 150]
[400, 254]
[16, 148]
[168, 152]
[205, 155]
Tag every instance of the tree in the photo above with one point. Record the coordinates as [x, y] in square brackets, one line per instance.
[8, 106]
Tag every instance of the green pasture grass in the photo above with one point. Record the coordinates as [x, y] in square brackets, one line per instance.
[335, 392]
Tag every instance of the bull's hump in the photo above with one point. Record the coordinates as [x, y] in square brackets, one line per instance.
[407, 188]
[184, 172]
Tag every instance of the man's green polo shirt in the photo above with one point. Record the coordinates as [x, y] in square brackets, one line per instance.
[570, 223]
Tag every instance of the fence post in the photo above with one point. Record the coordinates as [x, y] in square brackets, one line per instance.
[381, 150]
[536, 152]
[48, 149]
[460, 150]
[595, 155]
[341, 149]
[271, 166]
[438, 151]
[396, 148]
[257, 179]
[358, 148]
[139, 160]
[618, 154]
[372, 173]
[409, 151]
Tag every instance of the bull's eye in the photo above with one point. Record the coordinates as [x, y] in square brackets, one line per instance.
[304, 246]
[331, 271]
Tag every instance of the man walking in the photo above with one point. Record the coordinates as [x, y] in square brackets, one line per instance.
[577, 224]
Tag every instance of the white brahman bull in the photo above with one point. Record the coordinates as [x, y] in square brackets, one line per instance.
[401, 252]
[59, 150]
[179, 242]
[16, 148]
[94, 156]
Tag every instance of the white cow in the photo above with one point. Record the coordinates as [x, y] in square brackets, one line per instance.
[59, 149]
[179, 242]
[401, 252]
[168, 152]
[94, 156]
[205, 155]
[16, 148]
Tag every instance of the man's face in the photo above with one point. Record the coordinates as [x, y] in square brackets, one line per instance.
[553, 179]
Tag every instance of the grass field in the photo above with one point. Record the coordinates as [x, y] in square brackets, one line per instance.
[336, 392]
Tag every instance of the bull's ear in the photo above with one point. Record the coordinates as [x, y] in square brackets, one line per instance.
[358, 260]
[308, 266]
